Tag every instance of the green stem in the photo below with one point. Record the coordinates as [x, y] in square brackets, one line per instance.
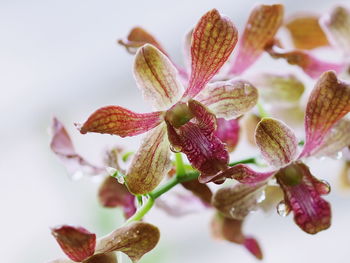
[180, 177]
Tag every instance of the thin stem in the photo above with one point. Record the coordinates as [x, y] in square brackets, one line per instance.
[245, 161]
[180, 168]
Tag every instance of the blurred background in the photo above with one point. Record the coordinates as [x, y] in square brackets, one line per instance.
[60, 58]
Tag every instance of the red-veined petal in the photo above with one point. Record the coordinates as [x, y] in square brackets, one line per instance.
[150, 163]
[306, 32]
[113, 194]
[276, 142]
[228, 132]
[328, 103]
[134, 239]
[156, 76]
[241, 173]
[202, 191]
[229, 99]
[213, 40]
[262, 25]
[302, 193]
[337, 27]
[62, 145]
[196, 139]
[117, 120]
[76, 242]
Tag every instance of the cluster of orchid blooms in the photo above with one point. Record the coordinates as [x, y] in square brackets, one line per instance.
[199, 112]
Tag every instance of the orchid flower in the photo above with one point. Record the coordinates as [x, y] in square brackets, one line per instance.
[329, 102]
[111, 193]
[307, 33]
[80, 245]
[186, 118]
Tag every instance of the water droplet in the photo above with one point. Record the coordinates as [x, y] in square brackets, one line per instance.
[175, 148]
[114, 173]
[232, 211]
[339, 155]
[283, 209]
[261, 197]
[324, 187]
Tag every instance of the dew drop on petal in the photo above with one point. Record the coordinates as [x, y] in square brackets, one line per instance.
[261, 197]
[175, 149]
[339, 155]
[324, 187]
[283, 209]
[232, 211]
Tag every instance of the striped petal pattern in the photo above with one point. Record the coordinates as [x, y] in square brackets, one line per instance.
[276, 141]
[117, 120]
[328, 103]
[150, 163]
[302, 193]
[229, 99]
[156, 76]
[262, 25]
[213, 40]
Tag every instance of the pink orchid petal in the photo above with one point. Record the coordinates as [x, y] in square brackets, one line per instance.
[306, 32]
[213, 40]
[328, 103]
[279, 90]
[116, 120]
[113, 194]
[302, 194]
[240, 172]
[311, 65]
[150, 163]
[76, 242]
[228, 132]
[337, 28]
[239, 200]
[261, 27]
[229, 229]
[276, 142]
[62, 145]
[229, 99]
[137, 38]
[336, 140]
[253, 247]
[134, 239]
[196, 139]
[156, 76]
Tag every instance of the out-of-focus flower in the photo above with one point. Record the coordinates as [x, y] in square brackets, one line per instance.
[111, 193]
[134, 239]
[329, 102]
[189, 123]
